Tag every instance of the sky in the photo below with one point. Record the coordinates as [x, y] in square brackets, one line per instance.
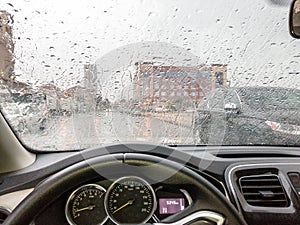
[55, 38]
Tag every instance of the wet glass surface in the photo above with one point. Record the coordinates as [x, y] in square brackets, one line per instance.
[77, 75]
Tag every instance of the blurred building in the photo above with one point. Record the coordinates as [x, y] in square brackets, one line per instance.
[89, 95]
[6, 46]
[7, 60]
[155, 84]
[90, 77]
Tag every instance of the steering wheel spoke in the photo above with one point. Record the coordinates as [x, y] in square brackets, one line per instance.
[206, 217]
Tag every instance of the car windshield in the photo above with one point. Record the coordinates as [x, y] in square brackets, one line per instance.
[77, 74]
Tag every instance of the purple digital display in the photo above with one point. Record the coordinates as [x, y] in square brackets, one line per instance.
[171, 205]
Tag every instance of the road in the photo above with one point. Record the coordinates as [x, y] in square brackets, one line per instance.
[89, 130]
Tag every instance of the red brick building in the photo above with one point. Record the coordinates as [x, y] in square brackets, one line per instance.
[155, 84]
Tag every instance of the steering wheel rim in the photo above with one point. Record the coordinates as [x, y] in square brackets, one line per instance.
[68, 178]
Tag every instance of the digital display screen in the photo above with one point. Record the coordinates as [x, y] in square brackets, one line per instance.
[171, 205]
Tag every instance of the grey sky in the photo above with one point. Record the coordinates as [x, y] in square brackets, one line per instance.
[58, 37]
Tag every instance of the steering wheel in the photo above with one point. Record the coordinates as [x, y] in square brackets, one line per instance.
[209, 206]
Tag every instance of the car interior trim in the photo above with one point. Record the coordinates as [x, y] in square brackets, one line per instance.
[11, 200]
[229, 173]
[187, 195]
[10, 146]
[200, 215]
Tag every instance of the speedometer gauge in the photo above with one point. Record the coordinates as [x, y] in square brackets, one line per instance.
[130, 200]
[85, 206]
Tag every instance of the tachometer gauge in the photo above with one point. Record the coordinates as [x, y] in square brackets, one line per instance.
[85, 206]
[130, 200]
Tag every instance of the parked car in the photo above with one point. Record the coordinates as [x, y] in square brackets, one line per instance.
[35, 117]
[13, 115]
[252, 115]
[25, 117]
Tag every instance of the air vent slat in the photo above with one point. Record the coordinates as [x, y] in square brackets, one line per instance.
[266, 201]
[260, 180]
[249, 193]
[260, 187]
[263, 191]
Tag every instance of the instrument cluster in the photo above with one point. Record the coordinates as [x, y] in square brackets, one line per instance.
[128, 200]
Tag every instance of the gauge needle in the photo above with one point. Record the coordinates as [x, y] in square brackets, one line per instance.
[123, 206]
[90, 207]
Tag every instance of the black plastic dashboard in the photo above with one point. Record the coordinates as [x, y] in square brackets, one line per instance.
[263, 183]
[170, 199]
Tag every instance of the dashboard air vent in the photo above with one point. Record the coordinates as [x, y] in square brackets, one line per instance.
[263, 191]
[4, 213]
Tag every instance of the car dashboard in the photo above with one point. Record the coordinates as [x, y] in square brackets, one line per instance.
[104, 196]
[262, 183]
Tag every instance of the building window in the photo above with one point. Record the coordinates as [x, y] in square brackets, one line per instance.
[219, 79]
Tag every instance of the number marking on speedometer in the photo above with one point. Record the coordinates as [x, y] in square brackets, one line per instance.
[85, 206]
[130, 200]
